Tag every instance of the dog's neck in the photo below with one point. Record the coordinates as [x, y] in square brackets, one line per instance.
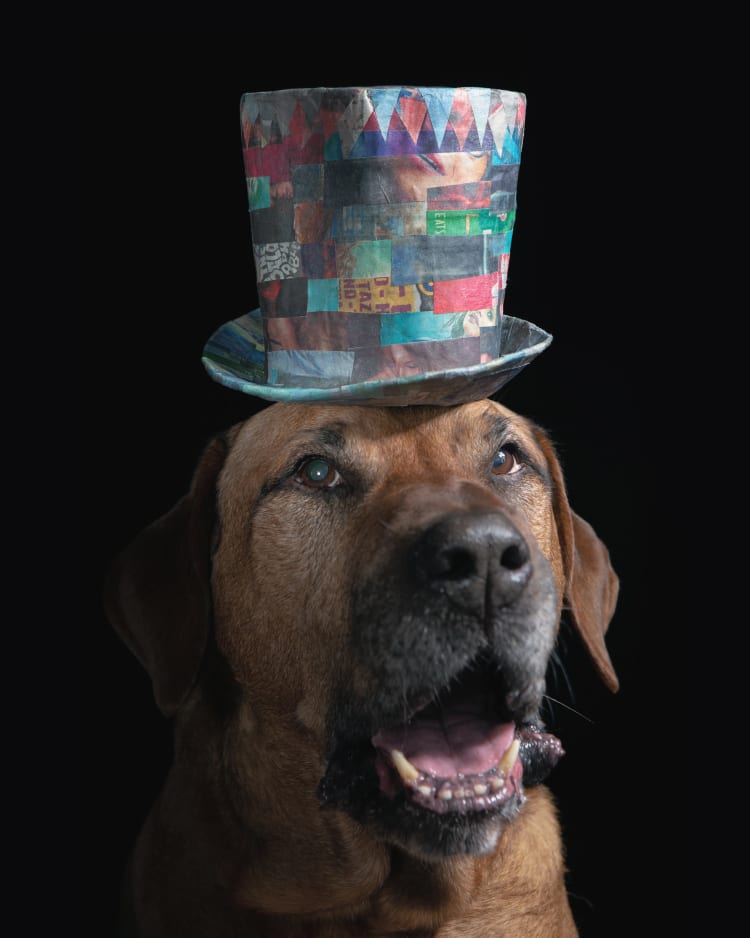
[240, 843]
[360, 887]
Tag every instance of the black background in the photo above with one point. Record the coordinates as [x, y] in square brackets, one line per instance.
[167, 258]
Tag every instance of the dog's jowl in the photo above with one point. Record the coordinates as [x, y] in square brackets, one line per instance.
[350, 616]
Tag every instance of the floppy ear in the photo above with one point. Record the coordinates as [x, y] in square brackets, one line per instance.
[591, 585]
[156, 594]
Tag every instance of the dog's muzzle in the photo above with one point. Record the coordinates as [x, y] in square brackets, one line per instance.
[455, 631]
[468, 584]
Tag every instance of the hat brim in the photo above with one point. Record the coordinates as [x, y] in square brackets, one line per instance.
[234, 357]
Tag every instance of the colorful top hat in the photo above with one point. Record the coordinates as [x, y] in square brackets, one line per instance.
[381, 221]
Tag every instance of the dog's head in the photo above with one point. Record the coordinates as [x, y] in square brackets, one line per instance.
[367, 599]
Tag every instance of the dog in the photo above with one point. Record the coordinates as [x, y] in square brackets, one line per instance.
[350, 616]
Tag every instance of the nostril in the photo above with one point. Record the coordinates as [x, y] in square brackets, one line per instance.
[455, 563]
[514, 557]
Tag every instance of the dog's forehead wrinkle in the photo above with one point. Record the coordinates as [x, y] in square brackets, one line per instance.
[331, 437]
[498, 425]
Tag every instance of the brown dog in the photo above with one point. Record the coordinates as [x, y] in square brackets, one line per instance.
[350, 615]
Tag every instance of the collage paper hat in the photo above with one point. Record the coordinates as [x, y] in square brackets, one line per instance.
[381, 222]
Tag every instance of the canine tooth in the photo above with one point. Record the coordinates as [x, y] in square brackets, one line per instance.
[404, 768]
[509, 759]
[480, 789]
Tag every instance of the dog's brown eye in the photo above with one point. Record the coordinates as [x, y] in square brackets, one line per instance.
[318, 473]
[505, 463]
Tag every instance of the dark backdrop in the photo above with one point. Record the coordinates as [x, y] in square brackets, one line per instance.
[167, 258]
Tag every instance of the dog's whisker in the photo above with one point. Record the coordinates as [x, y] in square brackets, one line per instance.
[559, 672]
[568, 707]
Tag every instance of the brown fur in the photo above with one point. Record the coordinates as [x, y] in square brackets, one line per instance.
[238, 603]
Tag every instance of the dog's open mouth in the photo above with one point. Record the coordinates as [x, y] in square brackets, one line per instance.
[453, 756]
[462, 754]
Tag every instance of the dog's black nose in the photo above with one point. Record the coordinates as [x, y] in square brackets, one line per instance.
[479, 560]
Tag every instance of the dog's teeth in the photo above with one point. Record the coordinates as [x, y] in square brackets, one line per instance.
[496, 783]
[424, 789]
[404, 768]
[445, 794]
[509, 759]
[480, 789]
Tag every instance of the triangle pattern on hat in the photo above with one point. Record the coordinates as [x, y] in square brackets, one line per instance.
[372, 126]
[329, 121]
[396, 125]
[284, 108]
[498, 122]
[249, 114]
[309, 104]
[439, 101]
[515, 107]
[480, 104]
[299, 128]
[461, 116]
[413, 111]
[384, 101]
[250, 107]
[354, 120]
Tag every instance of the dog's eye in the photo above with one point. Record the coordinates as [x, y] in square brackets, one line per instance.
[505, 462]
[317, 473]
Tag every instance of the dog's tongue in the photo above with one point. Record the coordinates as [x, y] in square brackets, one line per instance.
[447, 743]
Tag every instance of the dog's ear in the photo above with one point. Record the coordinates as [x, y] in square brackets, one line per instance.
[591, 585]
[156, 593]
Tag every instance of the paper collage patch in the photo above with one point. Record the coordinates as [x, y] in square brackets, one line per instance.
[381, 221]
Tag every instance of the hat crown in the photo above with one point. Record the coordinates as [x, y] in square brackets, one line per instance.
[381, 221]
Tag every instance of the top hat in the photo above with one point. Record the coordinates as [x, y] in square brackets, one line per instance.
[381, 221]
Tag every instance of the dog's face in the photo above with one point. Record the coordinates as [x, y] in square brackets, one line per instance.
[383, 595]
